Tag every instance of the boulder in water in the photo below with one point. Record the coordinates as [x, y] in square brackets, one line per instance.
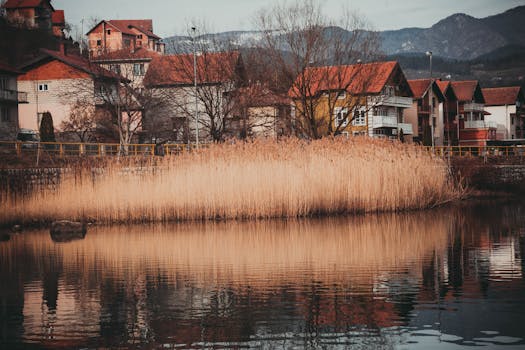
[66, 231]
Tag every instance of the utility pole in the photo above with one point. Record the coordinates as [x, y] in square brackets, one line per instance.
[195, 86]
[429, 54]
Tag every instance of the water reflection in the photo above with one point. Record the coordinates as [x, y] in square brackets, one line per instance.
[387, 280]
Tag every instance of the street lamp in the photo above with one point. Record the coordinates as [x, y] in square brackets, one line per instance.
[429, 54]
[196, 116]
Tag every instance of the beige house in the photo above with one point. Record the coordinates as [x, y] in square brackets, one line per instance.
[506, 106]
[55, 82]
[128, 35]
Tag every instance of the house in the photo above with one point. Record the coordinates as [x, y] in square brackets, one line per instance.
[426, 113]
[58, 21]
[361, 99]
[449, 111]
[189, 113]
[33, 14]
[506, 106]
[128, 35]
[474, 130]
[10, 98]
[55, 82]
[259, 112]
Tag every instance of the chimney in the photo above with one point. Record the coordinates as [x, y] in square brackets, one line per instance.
[63, 48]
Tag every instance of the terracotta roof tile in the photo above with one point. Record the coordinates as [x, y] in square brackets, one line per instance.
[419, 87]
[58, 17]
[366, 78]
[260, 96]
[178, 69]
[502, 96]
[465, 90]
[81, 63]
[22, 3]
[125, 54]
[144, 25]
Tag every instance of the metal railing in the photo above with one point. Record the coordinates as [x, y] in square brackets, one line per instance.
[480, 124]
[13, 96]
[478, 151]
[473, 107]
[65, 149]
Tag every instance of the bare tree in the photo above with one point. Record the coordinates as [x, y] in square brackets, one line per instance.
[217, 69]
[82, 121]
[318, 61]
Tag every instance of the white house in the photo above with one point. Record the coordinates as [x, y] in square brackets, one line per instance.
[507, 110]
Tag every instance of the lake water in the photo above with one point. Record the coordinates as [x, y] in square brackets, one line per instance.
[446, 279]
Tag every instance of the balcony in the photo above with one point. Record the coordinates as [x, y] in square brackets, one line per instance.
[13, 96]
[480, 124]
[473, 107]
[406, 127]
[395, 101]
[379, 121]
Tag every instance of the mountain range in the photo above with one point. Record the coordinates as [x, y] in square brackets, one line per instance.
[460, 36]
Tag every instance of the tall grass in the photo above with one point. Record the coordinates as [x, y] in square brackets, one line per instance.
[260, 179]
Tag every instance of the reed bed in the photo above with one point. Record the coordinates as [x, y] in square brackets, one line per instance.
[253, 180]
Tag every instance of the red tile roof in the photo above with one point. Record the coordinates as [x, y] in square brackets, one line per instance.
[261, 96]
[140, 54]
[178, 69]
[77, 62]
[13, 4]
[502, 96]
[58, 17]
[465, 90]
[8, 69]
[367, 78]
[124, 25]
[419, 87]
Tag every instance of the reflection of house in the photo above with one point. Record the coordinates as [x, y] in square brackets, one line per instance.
[30, 13]
[361, 99]
[117, 35]
[55, 82]
[425, 115]
[474, 129]
[507, 110]
[259, 112]
[172, 79]
[9, 100]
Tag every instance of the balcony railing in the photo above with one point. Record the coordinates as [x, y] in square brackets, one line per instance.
[396, 101]
[406, 127]
[473, 107]
[13, 96]
[379, 121]
[480, 124]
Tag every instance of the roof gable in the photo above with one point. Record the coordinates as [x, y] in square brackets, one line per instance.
[502, 96]
[125, 26]
[420, 88]
[468, 90]
[357, 79]
[212, 68]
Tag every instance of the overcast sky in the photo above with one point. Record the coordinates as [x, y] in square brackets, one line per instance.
[171, 16]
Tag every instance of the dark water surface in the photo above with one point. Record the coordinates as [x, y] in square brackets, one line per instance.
[444, 279]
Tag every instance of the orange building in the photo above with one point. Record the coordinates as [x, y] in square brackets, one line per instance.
[129, 35]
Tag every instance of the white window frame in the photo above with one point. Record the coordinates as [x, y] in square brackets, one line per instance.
[360, 119]
[339, 121]
[141, 71]
[341, 95]
[43, 87]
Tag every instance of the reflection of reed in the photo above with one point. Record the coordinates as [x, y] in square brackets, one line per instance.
[249, 253]
[253, 180]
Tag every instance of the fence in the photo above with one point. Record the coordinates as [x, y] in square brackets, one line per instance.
[68, 149]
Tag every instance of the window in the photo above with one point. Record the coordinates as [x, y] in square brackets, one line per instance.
[115, 68]
[379, 111]
[359, 118]
[4, 114]
[99, 42]
[127, 43]
[43, 87]
[341, 95]
[3, 83]
[108, 31]
[389, 91]
[138, 69]
[341, 117]
[139, 36]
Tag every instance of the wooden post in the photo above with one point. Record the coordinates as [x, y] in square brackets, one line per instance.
[61, 150]
[18, 147]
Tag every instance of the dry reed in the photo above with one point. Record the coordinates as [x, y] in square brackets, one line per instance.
[260, 179]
